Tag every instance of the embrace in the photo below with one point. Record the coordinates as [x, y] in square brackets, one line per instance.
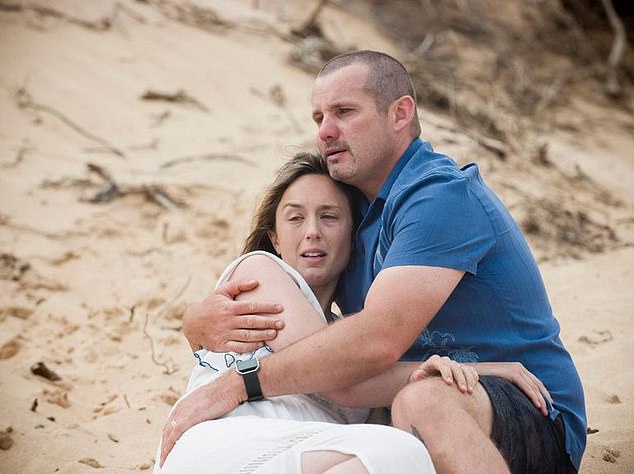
[446, 319]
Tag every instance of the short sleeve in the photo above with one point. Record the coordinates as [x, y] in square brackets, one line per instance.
[438, 221]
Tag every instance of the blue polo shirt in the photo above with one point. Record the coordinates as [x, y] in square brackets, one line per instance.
[430, 212]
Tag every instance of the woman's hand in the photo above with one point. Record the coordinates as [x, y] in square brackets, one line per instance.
[465, 376]
[208, 402]
[519, 375]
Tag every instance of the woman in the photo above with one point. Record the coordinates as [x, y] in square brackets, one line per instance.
[306, 218]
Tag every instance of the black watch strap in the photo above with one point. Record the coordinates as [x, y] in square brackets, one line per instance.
[249, 371]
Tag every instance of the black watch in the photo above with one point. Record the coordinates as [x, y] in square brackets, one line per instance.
[249, 371]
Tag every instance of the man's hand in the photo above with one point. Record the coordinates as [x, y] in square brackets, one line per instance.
[221, 324]
[208, 402]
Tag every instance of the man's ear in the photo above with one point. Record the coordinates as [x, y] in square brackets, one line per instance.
[273, 238]
[402, 110]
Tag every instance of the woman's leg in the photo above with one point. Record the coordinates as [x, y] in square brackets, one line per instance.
[331, 462]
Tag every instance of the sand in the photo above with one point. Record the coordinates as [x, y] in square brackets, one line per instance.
[116, 212]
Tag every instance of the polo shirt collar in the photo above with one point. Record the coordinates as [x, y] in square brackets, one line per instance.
[416, 144]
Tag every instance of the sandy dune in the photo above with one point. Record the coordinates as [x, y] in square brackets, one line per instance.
[116, 211]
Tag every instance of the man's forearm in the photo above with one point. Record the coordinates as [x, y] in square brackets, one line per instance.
[343, 354]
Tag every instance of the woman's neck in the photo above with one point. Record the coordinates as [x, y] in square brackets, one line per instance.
[325, 296]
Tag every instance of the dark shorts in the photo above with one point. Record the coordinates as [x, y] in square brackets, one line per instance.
[529, 441]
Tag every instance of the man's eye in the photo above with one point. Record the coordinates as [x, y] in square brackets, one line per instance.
[330, 217]
[318, 119]
[344, 111]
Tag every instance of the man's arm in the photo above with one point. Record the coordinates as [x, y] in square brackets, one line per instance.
[400, 304]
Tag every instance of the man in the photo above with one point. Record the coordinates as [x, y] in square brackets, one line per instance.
[439, 267]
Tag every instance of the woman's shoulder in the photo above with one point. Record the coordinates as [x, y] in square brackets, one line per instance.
[255, 258]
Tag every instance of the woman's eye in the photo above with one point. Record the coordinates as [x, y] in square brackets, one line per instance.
[330, 217]
[295, 218]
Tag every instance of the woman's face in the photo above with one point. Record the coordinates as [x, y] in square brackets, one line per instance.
[313, 229]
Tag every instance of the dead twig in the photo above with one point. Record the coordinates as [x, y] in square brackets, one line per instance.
[19, 156]
[102, 24]
[179, 97]
[26, 102]
[612, 86]
[277, 96]
[159, 196]
[112, 190]
[160, 118]
[311, 26]
[208, 156]
[189, 14]
[169, 366]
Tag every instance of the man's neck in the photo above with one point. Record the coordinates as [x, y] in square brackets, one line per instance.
[372, 188]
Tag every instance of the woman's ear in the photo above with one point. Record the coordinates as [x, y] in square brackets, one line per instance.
[273, 238]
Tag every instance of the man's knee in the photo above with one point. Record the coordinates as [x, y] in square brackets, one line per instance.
[421, 401]
[431, 401]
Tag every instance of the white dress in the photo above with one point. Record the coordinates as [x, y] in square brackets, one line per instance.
[269, 436]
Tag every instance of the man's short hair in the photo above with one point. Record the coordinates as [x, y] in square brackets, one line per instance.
[387, 79]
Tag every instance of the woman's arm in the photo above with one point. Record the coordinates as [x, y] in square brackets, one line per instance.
[299, 316]
[380, 390]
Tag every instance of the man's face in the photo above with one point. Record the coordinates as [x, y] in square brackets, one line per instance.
[356, 140]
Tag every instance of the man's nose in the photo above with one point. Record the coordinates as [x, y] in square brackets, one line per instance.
[328, 130]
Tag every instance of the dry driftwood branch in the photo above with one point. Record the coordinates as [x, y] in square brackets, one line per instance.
[26, 102]
[179, 97]
[276, 93]
[19, 156]
[102, 24]
[612, 86]
[189, 14]
[99, 25]
[208, 156]
[311, 26]
[112, 190]
[169, 365]
[424, 45]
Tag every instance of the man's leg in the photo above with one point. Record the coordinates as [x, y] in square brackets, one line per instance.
[455, 427]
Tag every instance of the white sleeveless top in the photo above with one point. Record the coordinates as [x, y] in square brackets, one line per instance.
[294, 407]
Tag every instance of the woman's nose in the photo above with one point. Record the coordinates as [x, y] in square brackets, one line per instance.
[312, 231]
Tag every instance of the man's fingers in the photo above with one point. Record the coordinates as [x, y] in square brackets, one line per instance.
[253, 335]
[235, 346]
[233, 288]
[256, 321]
[255, 308]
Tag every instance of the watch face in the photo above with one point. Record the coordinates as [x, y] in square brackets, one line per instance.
[246, 366]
